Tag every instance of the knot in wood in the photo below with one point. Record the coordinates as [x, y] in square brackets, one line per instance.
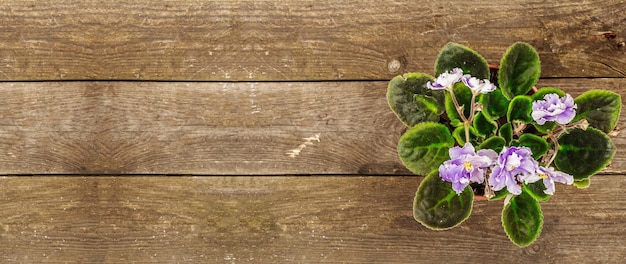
[394, 66]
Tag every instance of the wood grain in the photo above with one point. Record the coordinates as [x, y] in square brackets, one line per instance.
[296, 40]
[106, 107]
[213, 128]
[286, 219]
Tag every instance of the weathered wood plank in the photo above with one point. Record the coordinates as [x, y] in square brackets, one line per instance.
[197, 128]
[212, 128]
[286, 219]
[296, 40]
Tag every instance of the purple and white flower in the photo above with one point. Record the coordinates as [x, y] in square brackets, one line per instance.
[478, 86]
[446, 80]
[554, 108]
[514, 164]
[549, 176]
[466, 165]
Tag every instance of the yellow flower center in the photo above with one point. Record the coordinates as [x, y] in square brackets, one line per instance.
[543, 175]
[511, 168]
[468, 166]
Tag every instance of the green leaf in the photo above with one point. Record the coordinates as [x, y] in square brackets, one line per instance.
[454, 55]
[519, 70]
[438, 207]
[600, 108]
[463, 96]
[522, 219]
[484, 126]
[545, 127]
[582, 184]
[412, 101]
[499, 195]
[583, 153]
[494, 104]
[495, 143]
[424, 147]
[536, 190]
[459, 135]
[506, 132]
[538, 145]
[520, 109]
[456, 123]
[430, 103]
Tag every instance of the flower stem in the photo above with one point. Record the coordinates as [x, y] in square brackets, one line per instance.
[555, 134]
[472, 104]
[459, 108]
[507, 199]
[582, 124]
[518, 128]
[489, 193]
[467, 122]
[556, 148]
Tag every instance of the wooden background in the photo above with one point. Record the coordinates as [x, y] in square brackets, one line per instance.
[258, 131]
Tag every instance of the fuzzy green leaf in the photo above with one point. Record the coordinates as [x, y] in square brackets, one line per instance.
[499, 195]
[522, 219]
[519, 70]
[494, 104]
[583, 153]
[582, 184]
[484, 126]
[506, 132]
[412, 101]
[424, 147]
[536, 190]
[495, 143]
[520, 109]
[600, 108]
[454, 55]
[429, 102]
[438, 207]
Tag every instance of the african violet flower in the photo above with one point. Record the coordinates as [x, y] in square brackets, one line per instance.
[466, 165]
[478, 86]
[549, 176]
[446, 79]
[512, 162]
[552, 108]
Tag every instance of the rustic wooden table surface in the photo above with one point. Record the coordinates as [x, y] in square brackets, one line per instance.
[258, 131]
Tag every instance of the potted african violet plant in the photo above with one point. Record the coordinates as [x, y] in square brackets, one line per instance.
[497, 135]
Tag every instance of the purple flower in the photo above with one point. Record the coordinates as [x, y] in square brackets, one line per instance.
[512, 162]
[549, 176]
[446, 79]
[552, 108]
[478, 86]
[465, 166]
